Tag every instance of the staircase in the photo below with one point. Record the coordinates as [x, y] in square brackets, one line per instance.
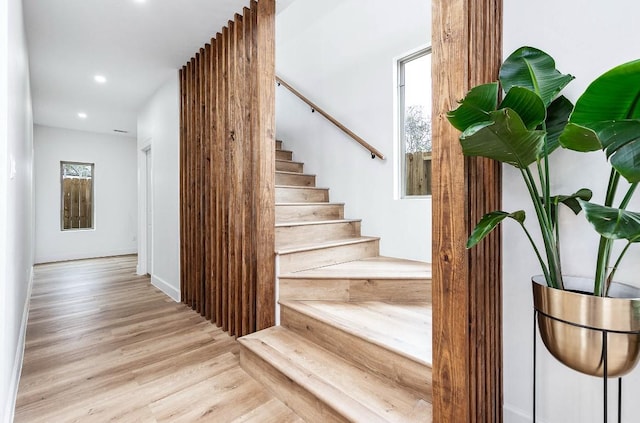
[354, 344]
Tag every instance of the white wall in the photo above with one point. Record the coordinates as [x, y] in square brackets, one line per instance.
[340, 54]
[586, 38]
[16, 200]
[115, 204]
[159, 129]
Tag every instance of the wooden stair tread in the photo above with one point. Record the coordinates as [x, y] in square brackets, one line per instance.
[316, 222]
[284, 172]
[289, 161]
[353, 393]
[299, 187]
[368, 268]
[326, 244]
[309, 204]
[402, 328]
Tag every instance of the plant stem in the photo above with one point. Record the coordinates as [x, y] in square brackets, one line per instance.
[614, 178]
[628, 195]
[604, 256]
[615, 266]
[604, 248]
[623, 205]
[546, 229]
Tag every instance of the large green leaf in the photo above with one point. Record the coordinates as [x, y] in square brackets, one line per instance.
[489, 222]
[607, 116]
[621, 143]
[557, 117]
[527, 104]
[613, 223]
[535, 70]
[579, 138]
[619, 139]
[504, 138]
[615, 95]
[475, 107]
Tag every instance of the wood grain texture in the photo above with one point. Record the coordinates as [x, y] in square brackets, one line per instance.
[228, 172]
[467, 297]
[264, 154]
[104, 345]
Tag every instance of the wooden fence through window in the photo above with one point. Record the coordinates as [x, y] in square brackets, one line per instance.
[227, 174]
[418, 173]
[77, 203]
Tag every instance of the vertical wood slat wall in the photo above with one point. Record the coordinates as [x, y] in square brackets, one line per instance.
[467, 284]
[227, 174]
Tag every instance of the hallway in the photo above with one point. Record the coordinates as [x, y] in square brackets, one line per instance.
[104, 345]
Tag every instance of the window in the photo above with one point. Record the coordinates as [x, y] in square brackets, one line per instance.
[76, 208]
[414, 117]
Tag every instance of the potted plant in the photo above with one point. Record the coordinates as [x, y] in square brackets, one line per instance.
[523, 130]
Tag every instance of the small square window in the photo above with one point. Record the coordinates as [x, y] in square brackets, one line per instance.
[76, 205]
[414, 117]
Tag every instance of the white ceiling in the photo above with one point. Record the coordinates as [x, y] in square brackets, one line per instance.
[136, 45]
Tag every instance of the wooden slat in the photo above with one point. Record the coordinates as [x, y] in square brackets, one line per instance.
[220, 276]
[247, 194]
[467, 340]
[197, 186]
[206, 204]
[225, 208]
[190, 183]
[255, 138]
[265, 161]
[215, 182]
[181, 74]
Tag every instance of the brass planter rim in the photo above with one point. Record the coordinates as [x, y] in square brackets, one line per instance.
[620, 312]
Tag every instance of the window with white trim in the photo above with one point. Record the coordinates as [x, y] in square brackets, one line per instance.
[76, 202]
[414, 118]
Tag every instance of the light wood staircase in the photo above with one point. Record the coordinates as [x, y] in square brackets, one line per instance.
[354, 342]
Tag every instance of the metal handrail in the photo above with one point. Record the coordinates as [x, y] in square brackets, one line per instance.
[314, 108]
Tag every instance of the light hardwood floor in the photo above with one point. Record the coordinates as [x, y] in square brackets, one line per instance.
[104, 345]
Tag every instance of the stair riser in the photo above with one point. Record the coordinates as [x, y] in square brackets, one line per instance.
[284, 155]
[366, 355]
[286, 166]
[301, 401]
[391, 290]
[294, 262]
[309, 213]
[278, 145]
[295, 180]
[291, 235]
[301, 195]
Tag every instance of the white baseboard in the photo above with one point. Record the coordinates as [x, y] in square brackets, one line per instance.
[84, 255]
[167, 288]
[19, 356]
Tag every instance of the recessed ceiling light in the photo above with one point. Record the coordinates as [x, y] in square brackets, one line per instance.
[82, 115]
[100, 79]
[140, 1]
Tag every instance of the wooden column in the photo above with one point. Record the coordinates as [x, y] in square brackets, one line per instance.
[228, 174]
[467, 285]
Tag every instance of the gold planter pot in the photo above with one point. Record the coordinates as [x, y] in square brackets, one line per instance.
[573, 325]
